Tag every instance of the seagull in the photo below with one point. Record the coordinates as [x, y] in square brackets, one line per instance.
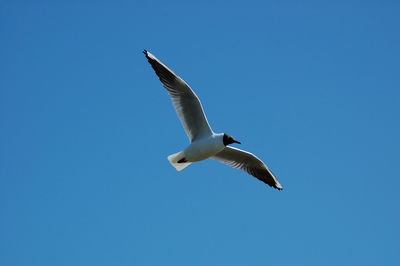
[204, 143]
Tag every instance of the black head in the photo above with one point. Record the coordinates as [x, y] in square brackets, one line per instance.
[228, 139]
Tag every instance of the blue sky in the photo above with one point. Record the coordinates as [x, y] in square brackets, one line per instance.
[311, 87]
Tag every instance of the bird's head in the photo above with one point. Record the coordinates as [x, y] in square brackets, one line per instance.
[228, 139]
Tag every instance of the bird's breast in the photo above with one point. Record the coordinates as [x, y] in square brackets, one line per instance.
[203, 149]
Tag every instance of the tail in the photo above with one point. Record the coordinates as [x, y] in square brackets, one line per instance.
[174, 158]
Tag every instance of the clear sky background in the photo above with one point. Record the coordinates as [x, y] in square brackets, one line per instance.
[311, 87]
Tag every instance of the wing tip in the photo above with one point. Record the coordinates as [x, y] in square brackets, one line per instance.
[276, 185]
[148, 54]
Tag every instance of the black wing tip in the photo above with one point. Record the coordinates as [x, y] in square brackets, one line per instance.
[277, 186]
[274, 185]
[271, 184]
[146, 53]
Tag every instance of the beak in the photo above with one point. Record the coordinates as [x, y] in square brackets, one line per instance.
[236, 141]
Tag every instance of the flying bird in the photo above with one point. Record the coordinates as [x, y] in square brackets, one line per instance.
[204, 143]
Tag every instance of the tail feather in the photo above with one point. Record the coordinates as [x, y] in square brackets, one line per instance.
[174, 158]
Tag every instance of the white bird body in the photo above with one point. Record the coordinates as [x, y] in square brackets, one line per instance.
[204, 143]
[200, 149]
[204, 148]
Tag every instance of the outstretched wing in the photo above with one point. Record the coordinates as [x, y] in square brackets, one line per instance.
[187, 104]
[248, 162]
